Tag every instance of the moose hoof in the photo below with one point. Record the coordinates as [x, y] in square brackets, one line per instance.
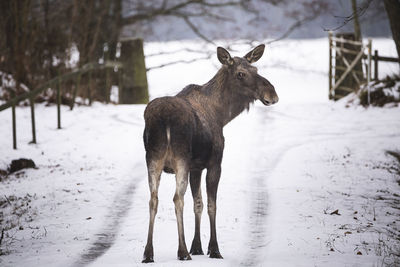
[215, 255]
[196, 249]
[184, 256]
[148, 259]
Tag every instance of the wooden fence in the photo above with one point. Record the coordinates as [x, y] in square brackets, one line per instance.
[132, 83]
[376, 58]
[346, 75]
[55, 82]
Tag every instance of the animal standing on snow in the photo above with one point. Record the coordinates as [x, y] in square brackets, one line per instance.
[183, 135]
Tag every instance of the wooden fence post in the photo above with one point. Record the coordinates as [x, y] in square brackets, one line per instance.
[58, 104]
[78, 83]
[107, 89]
[330, 65]
[32, 104]
[376, 73]
[14, 124]
[134, 79]
[89, 88]
[369, 69]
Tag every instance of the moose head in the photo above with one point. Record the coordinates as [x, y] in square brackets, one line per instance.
[244, 78]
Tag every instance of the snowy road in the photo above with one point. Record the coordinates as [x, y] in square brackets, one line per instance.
[249, 232]
[284, 167]
[286, 170]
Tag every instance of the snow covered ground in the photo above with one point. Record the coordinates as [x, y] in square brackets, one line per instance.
[306, 182]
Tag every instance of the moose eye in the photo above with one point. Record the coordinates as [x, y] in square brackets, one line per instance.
[240, 75]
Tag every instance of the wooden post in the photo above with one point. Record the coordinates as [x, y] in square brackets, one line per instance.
[119, 84]
[376, 73]
[369, 70]
[59, 104]
[108, 86]
[14, 124]
[78, 83]
[134, 88]
[330, 65]
[32, 104]
[89, 88]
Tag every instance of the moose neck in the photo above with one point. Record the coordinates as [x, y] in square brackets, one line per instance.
[225, 102]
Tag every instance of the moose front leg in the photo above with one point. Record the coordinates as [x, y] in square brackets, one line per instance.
[195, 182]
[212, 180]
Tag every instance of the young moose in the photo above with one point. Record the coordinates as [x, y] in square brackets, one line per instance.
[183, 135]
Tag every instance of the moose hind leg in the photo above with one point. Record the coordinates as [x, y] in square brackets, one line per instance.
[212, 180]
[181, 185]
[154, 173]
[195, 185]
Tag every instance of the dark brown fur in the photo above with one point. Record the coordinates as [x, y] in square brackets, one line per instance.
[183, 135]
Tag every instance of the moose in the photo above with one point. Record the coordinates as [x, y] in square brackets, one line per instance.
[183, 135]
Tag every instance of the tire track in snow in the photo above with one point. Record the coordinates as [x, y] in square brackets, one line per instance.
[117, 212]
[259, 203]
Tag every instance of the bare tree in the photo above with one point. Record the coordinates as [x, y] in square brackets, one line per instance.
[393, 11]
[38, 34]
[197, 13]
[357, 29]
[392, 8]
[32, 46]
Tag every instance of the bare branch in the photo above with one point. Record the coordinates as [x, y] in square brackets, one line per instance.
[175, 52]
[346, 19]
[178, 62]
[163, 10]
[294, 26]
[196, 30]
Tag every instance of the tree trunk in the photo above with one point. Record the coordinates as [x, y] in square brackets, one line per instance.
[393, 10]
[134, 79]
[357, 29]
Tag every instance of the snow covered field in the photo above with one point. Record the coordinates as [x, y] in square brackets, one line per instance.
[306, 182]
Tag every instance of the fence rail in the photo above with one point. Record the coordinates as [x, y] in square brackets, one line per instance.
[51, 83]
[86, 68]
[345, 41]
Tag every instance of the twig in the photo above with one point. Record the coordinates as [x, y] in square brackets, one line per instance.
[2, 236]
[292, 27]
[177, 62]
[196, 30]
[175, 52]
[7, 199]
[346, 19]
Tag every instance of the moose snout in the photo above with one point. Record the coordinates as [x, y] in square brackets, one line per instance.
[275, 98]
[269, 97]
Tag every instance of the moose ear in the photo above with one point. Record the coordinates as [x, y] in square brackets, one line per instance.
[255, 54]
[224, 57]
